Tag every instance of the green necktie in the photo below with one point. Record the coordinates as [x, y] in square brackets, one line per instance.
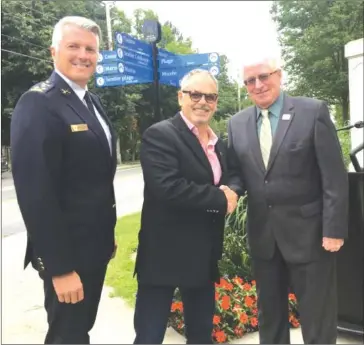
[265, 136]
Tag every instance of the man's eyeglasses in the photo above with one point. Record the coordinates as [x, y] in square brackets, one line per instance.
[196, 96]
[262, 77]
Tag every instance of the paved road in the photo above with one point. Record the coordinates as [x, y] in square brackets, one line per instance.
[128, 191]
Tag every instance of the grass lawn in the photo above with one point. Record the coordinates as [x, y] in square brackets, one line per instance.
[120, 271]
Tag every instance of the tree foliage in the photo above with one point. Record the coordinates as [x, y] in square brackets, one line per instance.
[313, 35]
[27, 27]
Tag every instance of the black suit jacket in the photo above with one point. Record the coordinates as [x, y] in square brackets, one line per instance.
[63, 177]
[302, 196]
[182, 224]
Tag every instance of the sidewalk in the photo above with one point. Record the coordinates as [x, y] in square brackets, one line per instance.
[24, 319]
[23, 315]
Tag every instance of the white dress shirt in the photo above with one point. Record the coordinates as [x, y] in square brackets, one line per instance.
[80, 92]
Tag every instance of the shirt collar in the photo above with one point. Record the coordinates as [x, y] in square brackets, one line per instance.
[275, 108]
[212, 136]
[78, 90]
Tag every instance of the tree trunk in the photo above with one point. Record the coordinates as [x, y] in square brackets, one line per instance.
[345, 108]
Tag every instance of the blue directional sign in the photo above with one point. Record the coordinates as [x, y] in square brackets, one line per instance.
[119, 80]
[124, 40]
[134, 57]
[125, 55]
[125, 68]
[165, 54]
[172, 76]
[189, 60]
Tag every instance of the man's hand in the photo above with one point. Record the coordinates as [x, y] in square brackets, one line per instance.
[231, 197]
[332, 244]
[68, 288]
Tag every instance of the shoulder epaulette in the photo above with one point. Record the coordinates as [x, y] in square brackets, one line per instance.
[43, 86]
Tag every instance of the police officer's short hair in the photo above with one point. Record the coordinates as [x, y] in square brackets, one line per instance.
[81, 22]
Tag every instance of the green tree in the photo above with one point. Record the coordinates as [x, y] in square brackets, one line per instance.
[313, 35]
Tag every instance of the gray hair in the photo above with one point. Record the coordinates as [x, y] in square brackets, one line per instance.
[274, 62]
[81, 22]
[187, 77]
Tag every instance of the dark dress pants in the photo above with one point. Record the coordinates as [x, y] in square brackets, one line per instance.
[314, 284]
[153, 306]
[71, 323]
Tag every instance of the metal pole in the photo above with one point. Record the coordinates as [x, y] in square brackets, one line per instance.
[108, 24]
[239, 107]
[157, 115]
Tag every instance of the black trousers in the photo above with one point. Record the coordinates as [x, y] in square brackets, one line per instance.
[71, 323]
[153, 306]
[313, 283]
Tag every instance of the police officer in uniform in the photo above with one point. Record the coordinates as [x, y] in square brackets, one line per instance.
[63, 159]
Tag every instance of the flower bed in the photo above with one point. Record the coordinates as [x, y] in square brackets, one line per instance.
[236, 310]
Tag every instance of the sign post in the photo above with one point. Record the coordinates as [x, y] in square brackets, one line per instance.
[153, 33]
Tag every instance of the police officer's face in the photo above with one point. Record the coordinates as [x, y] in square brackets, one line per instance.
[198, 100]
[77, 54]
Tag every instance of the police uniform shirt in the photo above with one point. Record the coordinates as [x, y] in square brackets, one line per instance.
[80, 92]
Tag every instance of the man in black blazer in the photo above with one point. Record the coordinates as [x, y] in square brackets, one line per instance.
[63, 160]
[285, 153]
[182, 224]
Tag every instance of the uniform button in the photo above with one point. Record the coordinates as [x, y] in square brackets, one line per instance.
[265, 181]
[270, 206]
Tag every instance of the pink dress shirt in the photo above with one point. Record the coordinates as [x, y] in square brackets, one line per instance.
[209, 149]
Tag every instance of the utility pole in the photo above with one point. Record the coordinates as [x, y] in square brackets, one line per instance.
[239, 106]
[108, 25]
[109, 47]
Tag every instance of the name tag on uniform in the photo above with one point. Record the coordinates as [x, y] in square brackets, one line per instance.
[79, 128]
[286, 116]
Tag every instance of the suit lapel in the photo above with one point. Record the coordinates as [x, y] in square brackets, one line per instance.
[190, 139]
[81, 110]
[283, 125]
[252, 135]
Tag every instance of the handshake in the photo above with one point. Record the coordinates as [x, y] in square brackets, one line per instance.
[231, 197]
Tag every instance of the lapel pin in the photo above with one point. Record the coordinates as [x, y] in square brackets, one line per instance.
[65, 91]
[286, 116]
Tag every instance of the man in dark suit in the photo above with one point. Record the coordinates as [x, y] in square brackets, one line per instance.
[182, 224]
[285, 153]
[63, 160]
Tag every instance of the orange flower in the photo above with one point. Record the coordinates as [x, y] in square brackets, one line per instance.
[244, 318]
[225, 302]
[295, 323]
[292, 297]
[226, 285]
[247, 287]
[177, 306]
[254, 321]
[238, 331]
[216, 320]
[255, 311]
[236, 307]
[220, 336]
[249, 302]
[223, 282]
[238, 281]
[217, 296]
[180, 325]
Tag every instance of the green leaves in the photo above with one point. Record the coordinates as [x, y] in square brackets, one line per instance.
[313, 35]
